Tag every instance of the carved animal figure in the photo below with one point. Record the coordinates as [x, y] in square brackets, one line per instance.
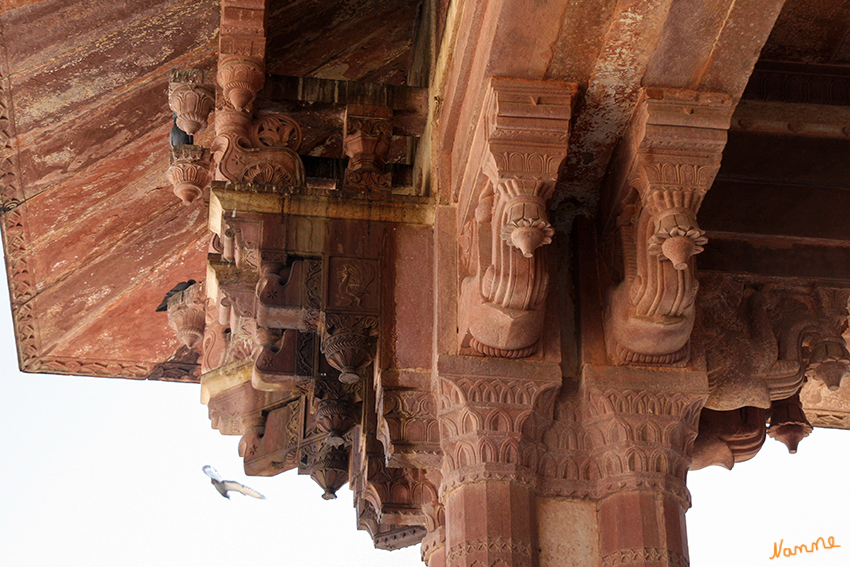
[225, 486]
[744, 367]
[354, 282]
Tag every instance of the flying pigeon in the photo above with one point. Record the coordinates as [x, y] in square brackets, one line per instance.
[224, 486]
[178, 137]
[182, 286]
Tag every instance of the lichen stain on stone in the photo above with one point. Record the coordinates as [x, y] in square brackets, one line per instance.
[333, 72]
[56, 158]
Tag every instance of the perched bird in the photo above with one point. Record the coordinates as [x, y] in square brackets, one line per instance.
[224, 486]
[178, 137]
[182, 286]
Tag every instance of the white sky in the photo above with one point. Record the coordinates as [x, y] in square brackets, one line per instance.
[101, 472]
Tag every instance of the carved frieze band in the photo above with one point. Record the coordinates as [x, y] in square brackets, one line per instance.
[496, 545]
[806, 84]
[670, 156]
[15, 223]
[645, 555]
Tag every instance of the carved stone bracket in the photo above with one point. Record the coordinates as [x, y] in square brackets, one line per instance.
[520, 142]
[262, 152]
[187, 313]
[366, 142]
[667, 162]
[729, 437]
[189, 171]
[347, 343]
[191, 95]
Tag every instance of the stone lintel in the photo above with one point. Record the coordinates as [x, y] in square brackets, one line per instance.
[395, 208]
[226, 196]
[693, 380]
[231, 197]
[792, 119]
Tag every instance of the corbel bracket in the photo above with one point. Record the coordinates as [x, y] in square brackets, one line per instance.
[667, 163]
[366, 141]
[519, 145]
[261, 151]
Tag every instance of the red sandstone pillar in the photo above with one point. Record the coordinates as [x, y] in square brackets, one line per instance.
[486, 409]
[642, 438]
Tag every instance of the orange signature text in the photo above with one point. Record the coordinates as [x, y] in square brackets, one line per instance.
[779, 551]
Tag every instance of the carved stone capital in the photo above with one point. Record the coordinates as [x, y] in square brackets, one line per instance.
[520, 142]
[642, 438]
[189, 171]
[408, 427]
[668, 160]
[191, 95]
[492, 417]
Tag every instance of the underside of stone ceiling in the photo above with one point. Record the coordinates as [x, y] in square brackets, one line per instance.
[94, 237]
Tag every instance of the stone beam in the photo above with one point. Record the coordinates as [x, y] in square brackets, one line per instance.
[654, 44]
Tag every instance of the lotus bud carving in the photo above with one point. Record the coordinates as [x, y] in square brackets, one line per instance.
[527, 235]
[189, 171]
[191, 95]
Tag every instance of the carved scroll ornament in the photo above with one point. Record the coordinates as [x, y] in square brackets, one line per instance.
[243, 155]
[668, 162]
[521, 141]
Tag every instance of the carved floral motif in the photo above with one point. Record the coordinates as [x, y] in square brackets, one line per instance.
[240, 79]
[187, 314]
[347, 343]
